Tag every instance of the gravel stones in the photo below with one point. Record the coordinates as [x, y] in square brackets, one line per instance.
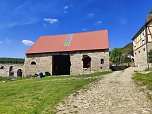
[116, 93]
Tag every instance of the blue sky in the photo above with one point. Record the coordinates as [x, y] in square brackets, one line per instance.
[22, 22]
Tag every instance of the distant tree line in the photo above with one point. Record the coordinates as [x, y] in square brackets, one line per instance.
[120, 55]
[12, 60]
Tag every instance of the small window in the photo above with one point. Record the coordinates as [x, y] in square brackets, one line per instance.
[135, 53]
[33, 63]
[2, 67]
[144, 49]
[86, 61]
[102, 61]
[139, 51]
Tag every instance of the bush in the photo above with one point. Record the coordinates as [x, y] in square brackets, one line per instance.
[150, 56]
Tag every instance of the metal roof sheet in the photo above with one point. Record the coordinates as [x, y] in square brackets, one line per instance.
[80, 41]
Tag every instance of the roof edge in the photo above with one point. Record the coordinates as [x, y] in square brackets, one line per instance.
[66, 51]
[141, 29]
[74, 33]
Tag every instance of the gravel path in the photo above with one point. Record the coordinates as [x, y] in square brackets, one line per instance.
[116, 93]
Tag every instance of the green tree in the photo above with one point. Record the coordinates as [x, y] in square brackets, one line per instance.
[119, 55]
[116, 55]
[128, 49]
[150, 56]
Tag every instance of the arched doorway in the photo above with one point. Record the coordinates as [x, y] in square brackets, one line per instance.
[19, 73]
[11, 72]
[33, 63]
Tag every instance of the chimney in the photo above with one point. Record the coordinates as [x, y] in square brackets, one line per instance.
[149, 17]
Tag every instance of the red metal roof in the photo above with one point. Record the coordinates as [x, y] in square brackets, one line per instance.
[80, 41]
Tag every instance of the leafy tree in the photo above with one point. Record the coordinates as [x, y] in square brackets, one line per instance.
[115, 55]
[119, 55]
[128, 49]
[150, 56]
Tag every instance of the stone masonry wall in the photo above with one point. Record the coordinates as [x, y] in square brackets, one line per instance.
[44, 62]
[77, 63]
[140, 57]
[149, 48]
[5, 71]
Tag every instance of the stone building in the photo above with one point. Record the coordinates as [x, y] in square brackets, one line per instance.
[142, 43]
[11, 70]
[69, 54]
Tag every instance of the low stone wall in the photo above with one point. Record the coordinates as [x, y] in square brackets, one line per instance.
[5, 68]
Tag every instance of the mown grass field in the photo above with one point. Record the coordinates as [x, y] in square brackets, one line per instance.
[37, 96]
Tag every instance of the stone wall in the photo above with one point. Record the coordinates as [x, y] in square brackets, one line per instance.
[4, 69]
[44, 62]
[77, 63]
[140, 57]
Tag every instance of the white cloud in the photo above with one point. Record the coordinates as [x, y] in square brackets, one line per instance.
[27, 42]
[1, 42]
[98, 23]
[65, 12]
[29, 21]
[8, 40]
[21, 6]
[21, 23]
[51, 21]
[66, 7]
[90, 14]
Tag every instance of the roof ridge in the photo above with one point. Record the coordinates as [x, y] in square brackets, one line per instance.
[75, 33]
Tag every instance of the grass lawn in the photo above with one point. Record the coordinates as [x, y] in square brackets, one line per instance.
[144, 80]
[36, 96]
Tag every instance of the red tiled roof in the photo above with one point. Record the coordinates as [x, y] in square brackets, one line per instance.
[80, 41]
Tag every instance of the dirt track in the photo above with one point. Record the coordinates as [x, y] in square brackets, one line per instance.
[116, 93]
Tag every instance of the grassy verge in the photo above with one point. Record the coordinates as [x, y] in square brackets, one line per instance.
[30, 96]
[148, 69]
[3, 78]
[144, 80]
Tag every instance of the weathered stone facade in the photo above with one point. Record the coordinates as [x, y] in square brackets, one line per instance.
[142, 44]
[11, 70]
[44, 62]
[140, 57]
